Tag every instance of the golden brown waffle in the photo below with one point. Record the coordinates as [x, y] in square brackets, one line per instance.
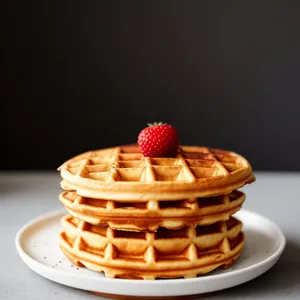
[186, 252]
[123, 173]
[148, 216]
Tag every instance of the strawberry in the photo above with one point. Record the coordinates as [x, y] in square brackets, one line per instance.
[158, 140]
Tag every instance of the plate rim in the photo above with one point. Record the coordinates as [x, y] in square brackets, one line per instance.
[170, 282]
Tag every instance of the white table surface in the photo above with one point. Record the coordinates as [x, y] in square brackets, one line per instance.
[25, 195]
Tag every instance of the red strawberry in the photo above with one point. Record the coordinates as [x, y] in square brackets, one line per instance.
[158, 140]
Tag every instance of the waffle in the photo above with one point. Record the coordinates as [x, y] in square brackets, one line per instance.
[148, 216]
[186, 252]
[123, 173]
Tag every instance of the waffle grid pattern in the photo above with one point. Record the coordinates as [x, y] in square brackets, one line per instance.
[114, 173]
[148, 216]
[121, 165]
[167, 253]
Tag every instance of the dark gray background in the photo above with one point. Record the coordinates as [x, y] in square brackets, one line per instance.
[79, 75]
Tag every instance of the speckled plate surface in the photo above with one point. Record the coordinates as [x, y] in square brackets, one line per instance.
[37, 244]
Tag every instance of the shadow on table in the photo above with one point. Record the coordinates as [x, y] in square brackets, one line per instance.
[281, 280]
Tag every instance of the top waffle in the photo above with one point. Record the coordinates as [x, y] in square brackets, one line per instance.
[123, 173]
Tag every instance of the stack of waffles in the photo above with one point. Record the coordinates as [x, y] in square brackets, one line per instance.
[136, 217]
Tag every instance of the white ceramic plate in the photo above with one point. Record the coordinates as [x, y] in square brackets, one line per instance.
[37, 244]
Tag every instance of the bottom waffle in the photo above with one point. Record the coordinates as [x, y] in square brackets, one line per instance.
[186, 252]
